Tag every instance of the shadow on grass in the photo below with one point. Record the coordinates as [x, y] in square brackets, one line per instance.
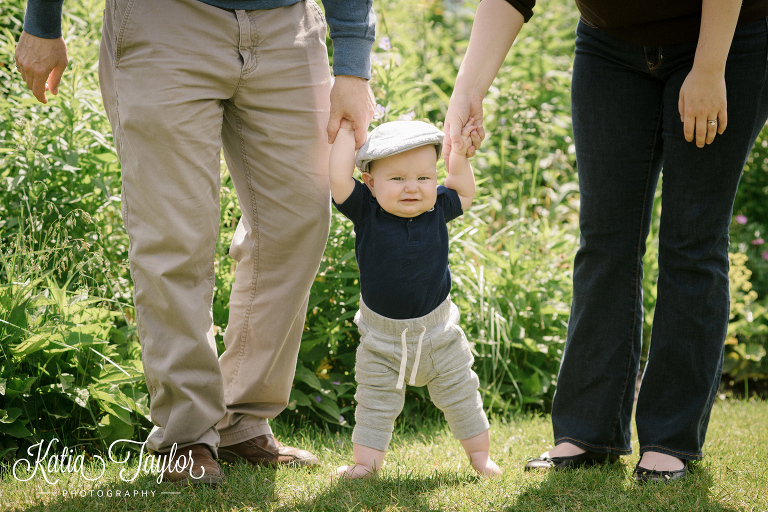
[402, 490]
[144, 493]
[613, 487]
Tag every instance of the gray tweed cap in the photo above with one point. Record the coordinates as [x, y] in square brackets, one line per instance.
[397, 137]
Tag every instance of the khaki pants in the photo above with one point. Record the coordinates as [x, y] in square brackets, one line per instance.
[180, 80]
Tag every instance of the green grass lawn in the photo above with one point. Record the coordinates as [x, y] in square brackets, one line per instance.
[428, 470]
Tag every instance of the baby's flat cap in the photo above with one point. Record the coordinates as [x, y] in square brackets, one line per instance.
[397, 137]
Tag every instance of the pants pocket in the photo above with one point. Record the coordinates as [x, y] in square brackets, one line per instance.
[121, 15]
[373, 356]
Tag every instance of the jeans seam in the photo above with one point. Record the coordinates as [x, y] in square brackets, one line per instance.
[638, 267]
[255, 270]
[592, 445]
[646, 448]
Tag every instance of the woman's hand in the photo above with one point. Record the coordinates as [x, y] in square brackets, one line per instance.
[461, 110]
[702, 105]
[496, 25]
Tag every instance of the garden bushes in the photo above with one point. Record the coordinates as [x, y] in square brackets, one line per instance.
[70, 363]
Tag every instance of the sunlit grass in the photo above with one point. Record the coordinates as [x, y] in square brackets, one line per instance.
[427, 470]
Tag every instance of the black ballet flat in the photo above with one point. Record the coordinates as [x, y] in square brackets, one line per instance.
[643, 475]
[581, 460]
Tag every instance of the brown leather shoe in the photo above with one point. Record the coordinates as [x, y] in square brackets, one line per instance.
[194, 465]
[267, 451]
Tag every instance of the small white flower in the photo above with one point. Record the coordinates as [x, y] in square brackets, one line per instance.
[379, 112]
[384, 44]
[408, 117]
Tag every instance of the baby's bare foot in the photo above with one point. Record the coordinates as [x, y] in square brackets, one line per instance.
[484, 465]
[354, 471]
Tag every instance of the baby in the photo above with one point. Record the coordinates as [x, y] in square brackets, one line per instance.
[407, 322]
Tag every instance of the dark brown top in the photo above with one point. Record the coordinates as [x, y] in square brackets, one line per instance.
[649, 23]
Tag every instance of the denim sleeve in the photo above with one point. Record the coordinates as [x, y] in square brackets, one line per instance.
[43, 18]
[353, 29]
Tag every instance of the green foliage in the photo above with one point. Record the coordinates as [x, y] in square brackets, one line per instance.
[513, 289]
[747, 338]
[68, 372]
[752, 205]
[58, 158]
[71, 365]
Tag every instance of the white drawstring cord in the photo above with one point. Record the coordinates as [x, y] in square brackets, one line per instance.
[404, 359]
[418, 356]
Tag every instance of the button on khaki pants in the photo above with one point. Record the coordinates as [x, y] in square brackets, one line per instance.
[181, 80]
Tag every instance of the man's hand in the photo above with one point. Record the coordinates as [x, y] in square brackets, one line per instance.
[460, 110]
[351, 99]
[39, 61]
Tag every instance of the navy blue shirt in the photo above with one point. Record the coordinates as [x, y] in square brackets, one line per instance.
[403, 261]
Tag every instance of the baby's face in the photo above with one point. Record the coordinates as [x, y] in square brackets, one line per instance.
[405, 184]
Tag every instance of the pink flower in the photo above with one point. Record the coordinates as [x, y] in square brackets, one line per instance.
[379, 112]
[758, 241]
[384, 44]
[765, 255]
[741, 219]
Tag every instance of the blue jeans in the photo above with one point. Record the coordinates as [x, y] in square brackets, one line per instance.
[627, 127]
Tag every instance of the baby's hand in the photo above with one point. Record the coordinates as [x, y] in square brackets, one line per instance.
[470, 139]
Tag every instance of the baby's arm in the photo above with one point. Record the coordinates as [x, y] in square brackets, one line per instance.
[461, 178]
[342, 163]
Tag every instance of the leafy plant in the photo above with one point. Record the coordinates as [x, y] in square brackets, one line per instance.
[67, 373]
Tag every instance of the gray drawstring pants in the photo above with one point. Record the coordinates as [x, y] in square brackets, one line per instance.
[437, 355]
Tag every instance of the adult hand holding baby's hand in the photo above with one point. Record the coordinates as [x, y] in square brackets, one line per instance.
[351, 99]
[346, 125]
[469, 139]
[460, 110]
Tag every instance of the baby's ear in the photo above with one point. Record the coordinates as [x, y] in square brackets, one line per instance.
[368, 180]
